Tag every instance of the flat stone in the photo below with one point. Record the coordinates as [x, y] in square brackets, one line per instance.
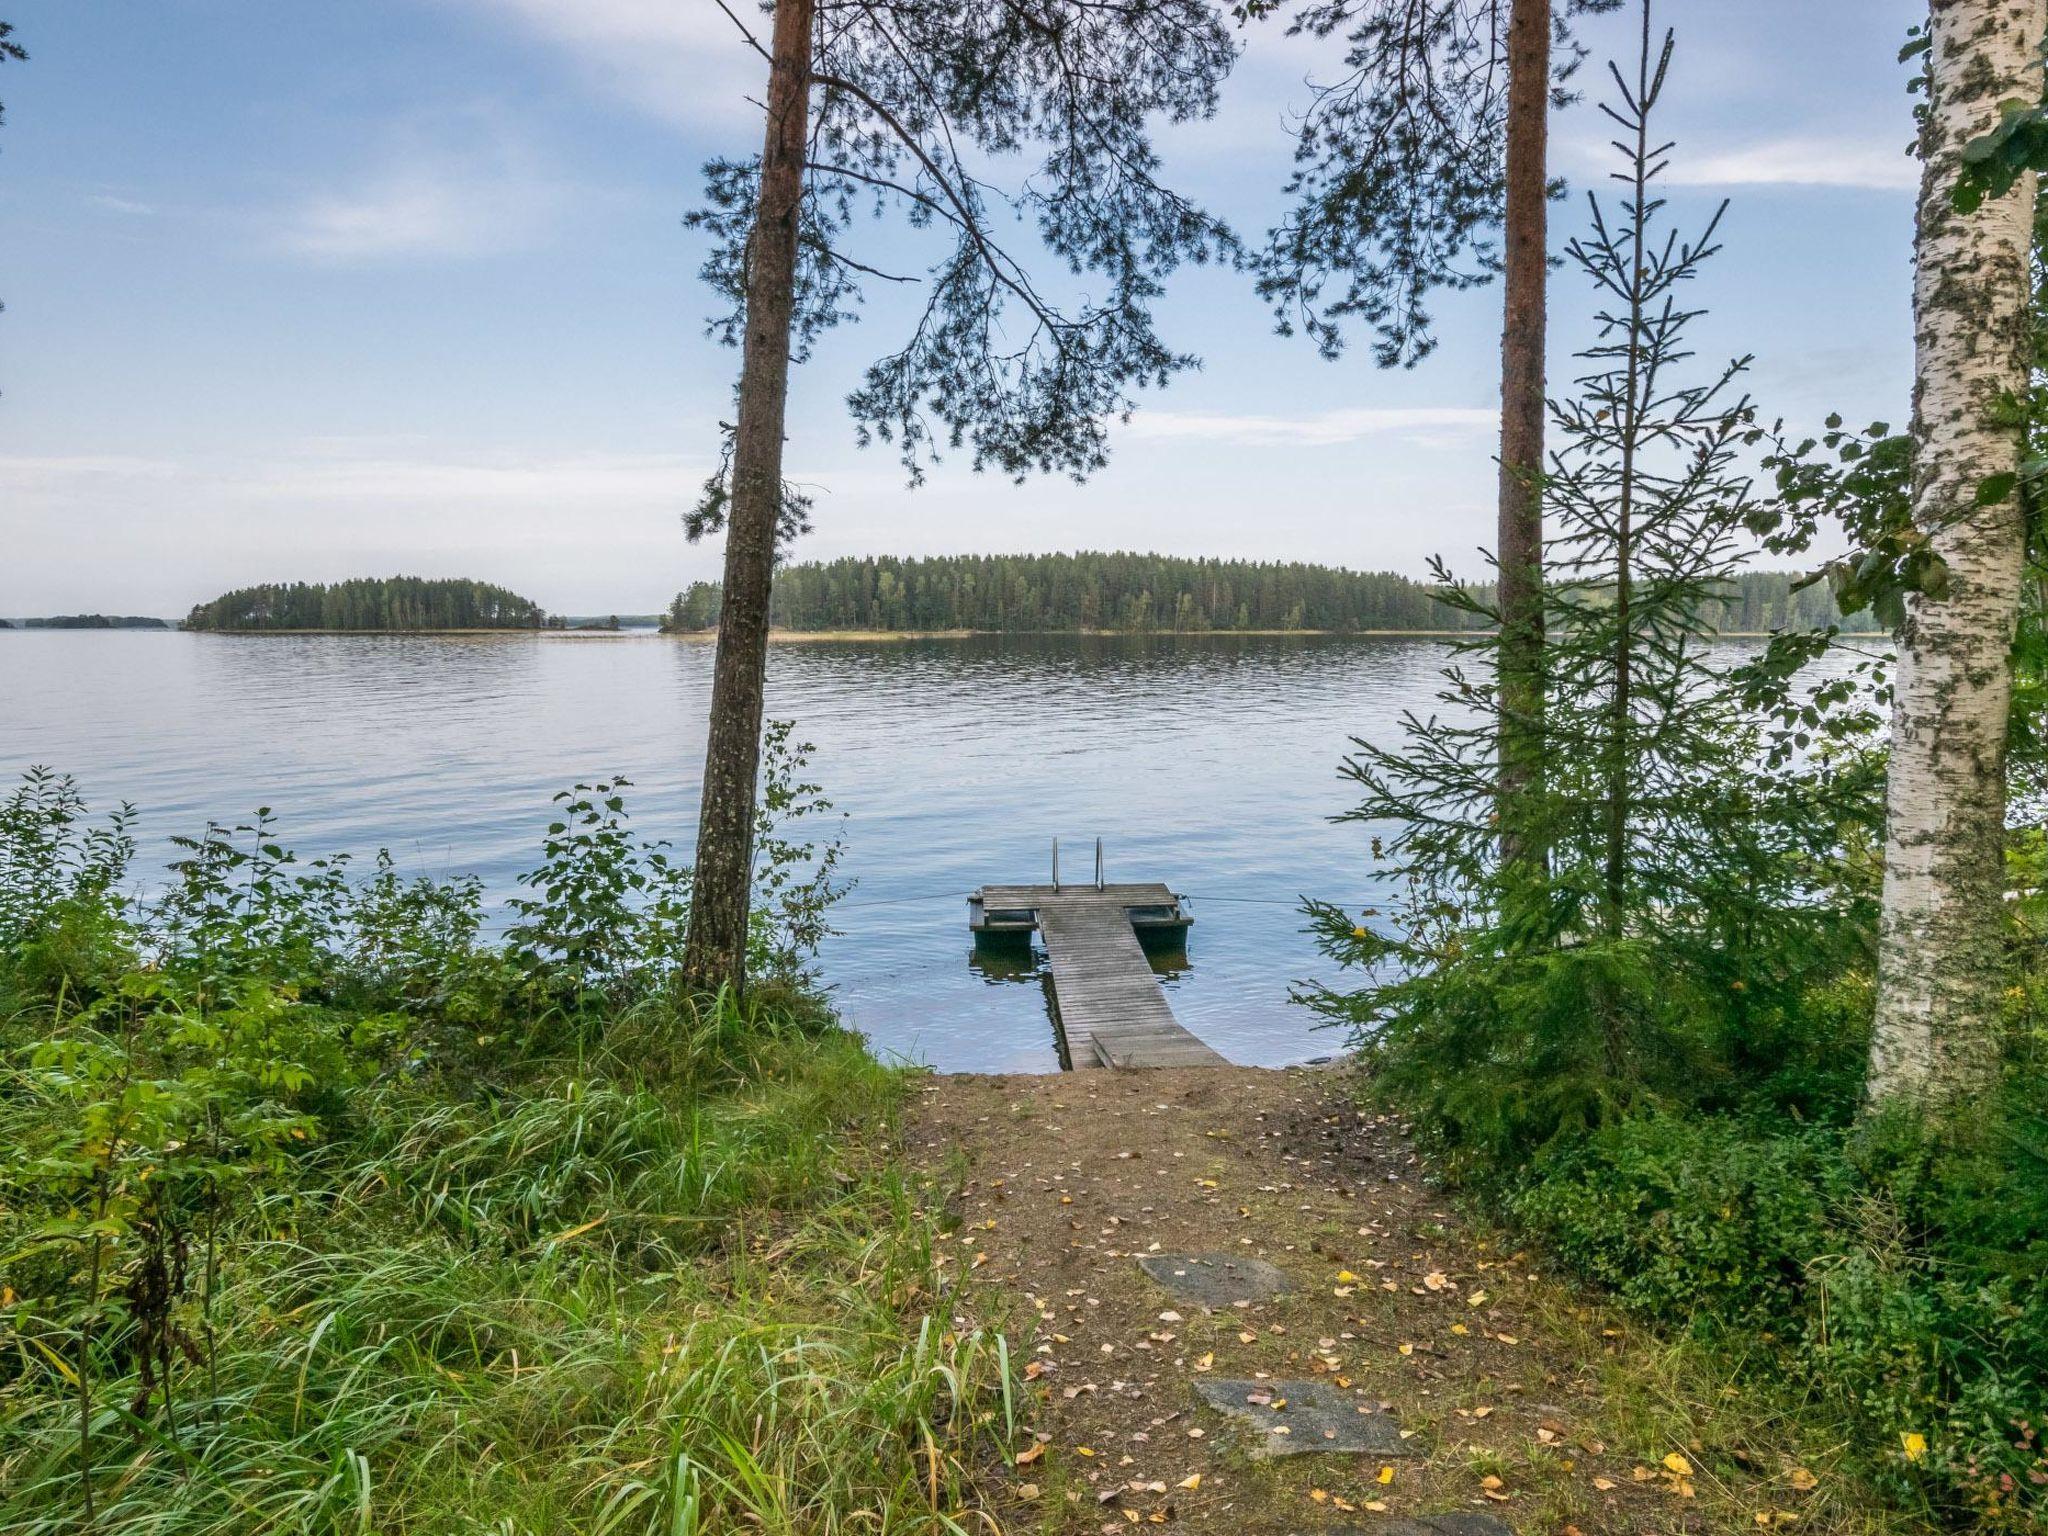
[1216, 1279]
[1456, 1523]
[1316, 1417]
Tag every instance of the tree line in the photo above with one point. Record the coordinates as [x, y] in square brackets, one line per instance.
[368, 604]
[1135, 593]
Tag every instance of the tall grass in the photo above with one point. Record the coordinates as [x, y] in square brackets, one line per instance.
[567, 1259]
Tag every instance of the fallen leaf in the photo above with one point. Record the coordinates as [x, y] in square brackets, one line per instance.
[1678, 1464]
[1028, 1455]
[1386, 1476]
[1192, 1481]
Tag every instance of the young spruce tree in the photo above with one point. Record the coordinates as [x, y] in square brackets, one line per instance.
[876, 108]
[1681, 896]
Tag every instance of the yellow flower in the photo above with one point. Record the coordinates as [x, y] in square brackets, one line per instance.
[1914, 1444]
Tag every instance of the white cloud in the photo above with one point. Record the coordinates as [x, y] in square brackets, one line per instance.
[1317, 429]
[1801, 162]
[680, 61]
[449, 184]
[112, 203]
[443, 210]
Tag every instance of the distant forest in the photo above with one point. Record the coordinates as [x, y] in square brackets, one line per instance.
[1136, 593]
[87, 621]
[391, 603]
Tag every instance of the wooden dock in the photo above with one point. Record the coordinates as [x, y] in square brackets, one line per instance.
[1108, 1004]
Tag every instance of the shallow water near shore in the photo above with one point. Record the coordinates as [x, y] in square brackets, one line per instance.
[1209, 763]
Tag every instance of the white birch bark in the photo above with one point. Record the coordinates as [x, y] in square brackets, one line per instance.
[1939, 964]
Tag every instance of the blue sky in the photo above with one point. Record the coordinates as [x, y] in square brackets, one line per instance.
[310, 291]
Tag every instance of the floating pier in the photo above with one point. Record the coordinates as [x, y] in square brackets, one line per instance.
[1106, 1001]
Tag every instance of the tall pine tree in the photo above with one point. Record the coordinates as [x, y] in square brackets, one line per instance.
[910, 110]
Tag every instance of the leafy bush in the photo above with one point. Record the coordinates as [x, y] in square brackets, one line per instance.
[319, 1210]
[1707, 1222]
[1901, 1273]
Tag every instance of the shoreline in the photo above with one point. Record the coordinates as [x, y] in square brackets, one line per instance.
[875, 636]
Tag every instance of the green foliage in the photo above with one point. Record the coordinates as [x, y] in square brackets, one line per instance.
[1696, 876]
[1138, 593]
[1400, 166]
[1899, 1272]
[318, 1211]
[918, 112]
[389, 603]
[1708, 1221]
[1649, 1048]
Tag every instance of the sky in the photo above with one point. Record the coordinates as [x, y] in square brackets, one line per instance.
[310, 291]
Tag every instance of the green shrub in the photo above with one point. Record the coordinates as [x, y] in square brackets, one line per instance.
[1709, 1222]
[317, 1211]
[1902, 1274]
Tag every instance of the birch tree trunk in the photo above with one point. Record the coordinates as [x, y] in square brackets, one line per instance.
[715, 947]
[1519, 537]
[1939, 965]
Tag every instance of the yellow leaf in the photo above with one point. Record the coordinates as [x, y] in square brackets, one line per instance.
[1914, 1444]
[1192, 1481]
[1028, 1455]
[1603, 1483]
[1345, 1277]
[1084, 1450]
[1318, 1495]
[1678, 1464]
[1407, 1349]
[1802, 1479]
[1386, 1476]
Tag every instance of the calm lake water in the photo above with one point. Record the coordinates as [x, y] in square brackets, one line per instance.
[1210, 764]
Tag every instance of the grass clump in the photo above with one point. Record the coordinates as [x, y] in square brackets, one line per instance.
[320, 1212]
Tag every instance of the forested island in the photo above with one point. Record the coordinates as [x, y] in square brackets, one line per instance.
[368, 605]
[87, 621]
[1150, 593]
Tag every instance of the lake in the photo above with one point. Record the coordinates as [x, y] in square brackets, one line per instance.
[1209, 763]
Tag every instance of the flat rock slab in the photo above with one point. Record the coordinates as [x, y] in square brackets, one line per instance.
[1456, 1523]
[1295, 1418]
[1216, 1279]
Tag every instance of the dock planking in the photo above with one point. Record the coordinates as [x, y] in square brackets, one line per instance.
[1109, 1004]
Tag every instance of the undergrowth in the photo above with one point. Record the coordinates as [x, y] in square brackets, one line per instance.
[318, 1212]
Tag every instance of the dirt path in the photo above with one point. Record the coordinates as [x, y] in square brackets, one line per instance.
[1501, 1386]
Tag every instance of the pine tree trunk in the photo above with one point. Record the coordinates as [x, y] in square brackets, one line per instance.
[715, 948]
[1939, 964]
[1519, 542]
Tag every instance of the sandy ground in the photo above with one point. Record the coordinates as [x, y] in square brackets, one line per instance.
[1498, 1379]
